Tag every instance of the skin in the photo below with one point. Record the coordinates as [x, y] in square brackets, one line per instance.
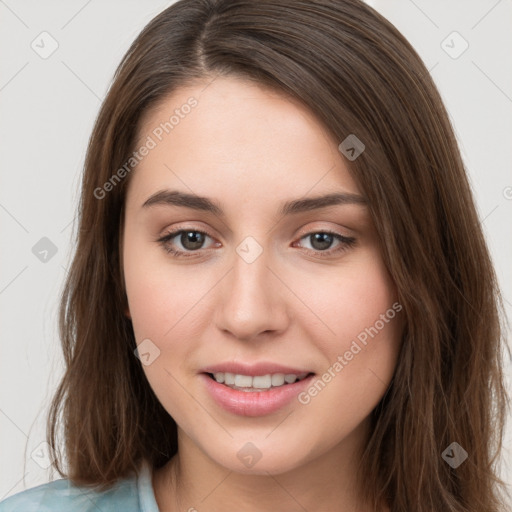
[251, 149]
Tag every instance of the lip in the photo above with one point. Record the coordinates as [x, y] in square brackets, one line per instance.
[261, 368]
[254, 403]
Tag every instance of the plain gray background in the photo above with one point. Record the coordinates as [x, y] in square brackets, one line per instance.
[48, 106]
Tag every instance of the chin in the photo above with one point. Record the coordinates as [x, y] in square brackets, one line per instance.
[251, 460]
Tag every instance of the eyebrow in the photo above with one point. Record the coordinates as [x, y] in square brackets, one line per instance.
[177, 198]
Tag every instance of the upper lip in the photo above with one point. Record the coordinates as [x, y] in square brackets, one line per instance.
[261, 368]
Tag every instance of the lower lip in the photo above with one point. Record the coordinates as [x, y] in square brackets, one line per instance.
[253, 403]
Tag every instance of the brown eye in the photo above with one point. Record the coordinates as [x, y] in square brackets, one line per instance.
[192, 240]
[187, 240]
[321, 241]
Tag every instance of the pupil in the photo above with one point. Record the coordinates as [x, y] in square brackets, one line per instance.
[324, 239]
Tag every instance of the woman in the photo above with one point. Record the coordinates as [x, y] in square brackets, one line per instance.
[281, 297]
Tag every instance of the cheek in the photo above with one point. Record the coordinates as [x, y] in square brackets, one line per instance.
[162, 308]
[361, 345]
[350, 304]
[159, 296]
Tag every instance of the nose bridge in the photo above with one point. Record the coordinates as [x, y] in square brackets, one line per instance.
[251, 271]
[251, 301]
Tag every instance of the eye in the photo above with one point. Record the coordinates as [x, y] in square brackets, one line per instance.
[321, 242]
[191, 241]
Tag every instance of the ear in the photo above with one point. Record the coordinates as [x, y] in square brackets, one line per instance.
[127, 313]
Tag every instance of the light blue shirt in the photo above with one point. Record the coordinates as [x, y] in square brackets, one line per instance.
[132, 494]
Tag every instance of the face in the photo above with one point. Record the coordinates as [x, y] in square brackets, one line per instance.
[258, 284]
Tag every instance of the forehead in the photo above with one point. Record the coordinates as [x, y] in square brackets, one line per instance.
[231, 137]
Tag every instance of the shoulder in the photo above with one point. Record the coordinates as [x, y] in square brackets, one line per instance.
[63, 495]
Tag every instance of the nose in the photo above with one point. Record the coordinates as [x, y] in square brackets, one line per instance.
[252, 300]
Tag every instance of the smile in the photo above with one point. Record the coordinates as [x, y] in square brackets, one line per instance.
[250, 400]
[257, 383]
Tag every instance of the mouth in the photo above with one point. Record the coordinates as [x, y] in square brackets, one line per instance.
[257, 383]
[255, 395]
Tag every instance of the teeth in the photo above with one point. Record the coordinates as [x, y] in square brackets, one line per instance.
[263, 382]
[258, 382]
[243, 381]
[278, 379]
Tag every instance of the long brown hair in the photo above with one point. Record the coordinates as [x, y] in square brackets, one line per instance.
[359, 76]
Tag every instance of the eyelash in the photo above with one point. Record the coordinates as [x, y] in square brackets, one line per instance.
[346, 243]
